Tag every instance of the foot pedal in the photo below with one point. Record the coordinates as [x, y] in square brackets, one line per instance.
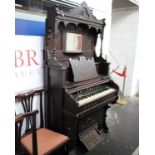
[90, 139]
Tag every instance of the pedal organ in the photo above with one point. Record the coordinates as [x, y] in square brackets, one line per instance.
[78, 87]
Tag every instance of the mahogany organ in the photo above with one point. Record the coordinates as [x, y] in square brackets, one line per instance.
[78, 87]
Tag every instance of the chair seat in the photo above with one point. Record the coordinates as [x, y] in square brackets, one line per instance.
[47, 141]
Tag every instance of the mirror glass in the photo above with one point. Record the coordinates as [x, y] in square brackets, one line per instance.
[73, 43]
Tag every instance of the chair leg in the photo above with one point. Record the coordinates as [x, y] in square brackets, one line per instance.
[66, 150]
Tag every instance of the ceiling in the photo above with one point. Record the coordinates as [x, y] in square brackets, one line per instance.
[123, 3]
[66, 4]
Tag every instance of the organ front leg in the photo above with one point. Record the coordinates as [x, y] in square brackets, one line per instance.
[105, 126]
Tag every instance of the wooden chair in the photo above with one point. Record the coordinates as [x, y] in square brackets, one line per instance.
[39, 141]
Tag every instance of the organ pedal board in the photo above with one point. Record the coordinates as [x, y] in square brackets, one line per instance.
[90, 138]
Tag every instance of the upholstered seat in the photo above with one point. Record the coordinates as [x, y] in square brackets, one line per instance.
[47, 141]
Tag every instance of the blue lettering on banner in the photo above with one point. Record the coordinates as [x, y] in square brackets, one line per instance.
[27, 27]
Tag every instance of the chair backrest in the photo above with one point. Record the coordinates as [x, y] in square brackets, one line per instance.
[18, 126]
[27, 102]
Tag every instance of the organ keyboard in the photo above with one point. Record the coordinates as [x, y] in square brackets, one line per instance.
[82, 99]
[88, 95]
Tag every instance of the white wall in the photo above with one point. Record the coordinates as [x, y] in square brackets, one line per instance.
[123, 44]
[136, 73]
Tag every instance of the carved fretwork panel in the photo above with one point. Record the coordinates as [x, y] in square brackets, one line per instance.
[88, 41]
[79, 20]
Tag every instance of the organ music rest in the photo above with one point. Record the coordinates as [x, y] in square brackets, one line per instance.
[78, 87]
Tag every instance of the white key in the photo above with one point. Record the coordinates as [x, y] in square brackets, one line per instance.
[95, 97]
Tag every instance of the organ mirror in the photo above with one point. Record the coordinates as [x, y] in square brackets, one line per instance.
[73, 43]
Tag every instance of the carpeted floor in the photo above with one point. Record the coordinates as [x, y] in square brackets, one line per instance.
[123, 137]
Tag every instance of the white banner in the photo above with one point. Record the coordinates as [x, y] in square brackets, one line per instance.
[28, 62]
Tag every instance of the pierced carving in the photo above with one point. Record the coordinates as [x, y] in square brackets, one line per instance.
[48, 54]
[80, 12]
